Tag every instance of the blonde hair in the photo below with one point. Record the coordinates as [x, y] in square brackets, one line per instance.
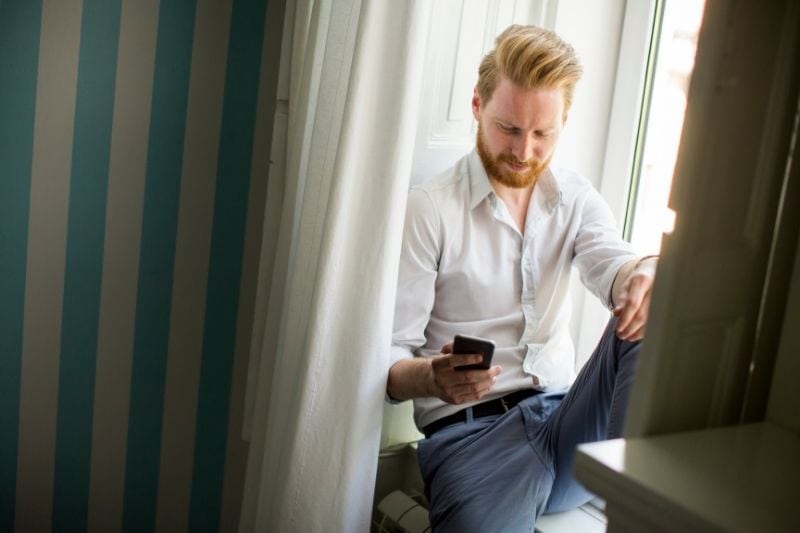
[532, 58]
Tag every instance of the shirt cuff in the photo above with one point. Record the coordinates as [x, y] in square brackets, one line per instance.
[388, 398]
[640, 263]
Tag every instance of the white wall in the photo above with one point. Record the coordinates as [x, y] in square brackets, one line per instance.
[594, 30]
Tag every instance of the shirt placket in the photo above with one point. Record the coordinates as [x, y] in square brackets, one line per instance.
[528, 297]
[528, 276]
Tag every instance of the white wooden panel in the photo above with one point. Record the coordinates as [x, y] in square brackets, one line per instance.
[467, 48]
[628, 88]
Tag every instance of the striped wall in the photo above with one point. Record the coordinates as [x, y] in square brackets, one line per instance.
[132, 176]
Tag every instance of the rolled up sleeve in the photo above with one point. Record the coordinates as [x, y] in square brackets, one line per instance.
[416, 286]
[599, 250]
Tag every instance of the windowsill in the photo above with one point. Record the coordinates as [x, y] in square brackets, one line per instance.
[739, 478]
[588, 518]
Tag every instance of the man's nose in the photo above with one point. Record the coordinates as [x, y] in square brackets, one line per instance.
[524, 148]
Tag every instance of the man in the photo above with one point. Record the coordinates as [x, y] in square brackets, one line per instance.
[487, 251]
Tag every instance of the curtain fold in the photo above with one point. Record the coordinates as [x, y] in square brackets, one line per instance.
[317, 388]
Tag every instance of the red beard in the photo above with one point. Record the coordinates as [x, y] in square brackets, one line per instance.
[501, 174]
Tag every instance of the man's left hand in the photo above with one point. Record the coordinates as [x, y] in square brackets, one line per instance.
[633, 304]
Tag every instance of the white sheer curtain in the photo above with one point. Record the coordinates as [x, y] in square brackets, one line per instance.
[329, 264]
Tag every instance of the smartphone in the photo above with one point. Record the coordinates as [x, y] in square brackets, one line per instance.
[468, 344]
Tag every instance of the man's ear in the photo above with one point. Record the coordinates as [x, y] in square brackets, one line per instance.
[476, 104]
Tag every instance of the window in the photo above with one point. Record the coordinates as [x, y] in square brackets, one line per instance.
[669, 68]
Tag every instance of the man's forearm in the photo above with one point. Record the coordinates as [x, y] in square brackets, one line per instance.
[410, 378]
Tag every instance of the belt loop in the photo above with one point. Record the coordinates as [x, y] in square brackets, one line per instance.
[468, 412]
[504, 404]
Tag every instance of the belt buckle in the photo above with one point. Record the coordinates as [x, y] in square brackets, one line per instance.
[504, 404]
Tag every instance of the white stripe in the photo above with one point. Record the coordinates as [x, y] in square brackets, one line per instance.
[127, 168]
[41, 340]
[195, 219]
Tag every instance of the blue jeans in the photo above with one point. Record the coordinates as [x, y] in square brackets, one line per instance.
[499, 473]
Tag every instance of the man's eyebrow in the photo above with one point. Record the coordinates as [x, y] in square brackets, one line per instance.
[507, 124]
[511, 125]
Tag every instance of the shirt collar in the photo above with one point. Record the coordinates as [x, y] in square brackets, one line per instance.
[480, 187]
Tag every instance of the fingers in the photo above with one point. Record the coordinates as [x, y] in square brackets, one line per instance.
[460, 360]
[469, 392]
[632, 312]
[461, 386]
[633, 320]
[634, 331]
[636, 335]
[455, 360]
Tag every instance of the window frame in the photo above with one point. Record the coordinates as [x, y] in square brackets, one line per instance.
[638, 43]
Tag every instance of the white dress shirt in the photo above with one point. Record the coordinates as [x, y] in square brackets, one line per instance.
[465, 268]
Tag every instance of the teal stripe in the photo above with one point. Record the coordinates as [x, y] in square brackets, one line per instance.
[94, 109]
[157, 260]
[20, 27]
[225, 263]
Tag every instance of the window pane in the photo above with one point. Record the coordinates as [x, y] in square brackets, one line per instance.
[674, 62]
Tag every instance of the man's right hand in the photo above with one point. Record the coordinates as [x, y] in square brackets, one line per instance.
[437, 376]
[460, 386]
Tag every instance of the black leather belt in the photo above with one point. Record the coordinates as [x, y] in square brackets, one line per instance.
[497, 406]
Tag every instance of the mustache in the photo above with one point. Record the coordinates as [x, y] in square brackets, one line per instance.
[505, 158]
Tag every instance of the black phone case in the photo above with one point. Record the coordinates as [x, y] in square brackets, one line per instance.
[467, 344]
